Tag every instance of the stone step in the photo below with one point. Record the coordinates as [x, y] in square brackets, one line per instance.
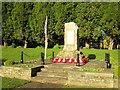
[55, 70]
[53, 74]
[60, 66]
[54, 80]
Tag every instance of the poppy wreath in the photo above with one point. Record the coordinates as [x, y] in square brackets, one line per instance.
[69, 60]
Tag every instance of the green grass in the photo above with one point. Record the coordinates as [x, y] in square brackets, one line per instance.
[100, 54]
[34, 54]
[30, 54]
[14, 54]
[8, 83]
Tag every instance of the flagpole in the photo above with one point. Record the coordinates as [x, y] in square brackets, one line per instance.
[45, 36]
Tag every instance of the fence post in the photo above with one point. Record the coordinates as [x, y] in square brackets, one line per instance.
[77, 64]
[42, 58]
[107, 59]
[21, 61]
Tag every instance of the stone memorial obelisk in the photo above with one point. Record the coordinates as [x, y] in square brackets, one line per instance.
[70, 41]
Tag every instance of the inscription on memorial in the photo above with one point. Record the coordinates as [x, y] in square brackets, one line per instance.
[70, 36]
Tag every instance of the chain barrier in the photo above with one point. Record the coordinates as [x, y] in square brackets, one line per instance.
[33, 57]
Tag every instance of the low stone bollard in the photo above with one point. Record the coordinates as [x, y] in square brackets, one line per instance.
[42, 58]
[107, 59]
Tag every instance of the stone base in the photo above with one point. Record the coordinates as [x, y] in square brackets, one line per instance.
[68, 54]
[19, 72]
[72, 76]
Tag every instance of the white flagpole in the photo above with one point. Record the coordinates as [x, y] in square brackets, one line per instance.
[45, 37]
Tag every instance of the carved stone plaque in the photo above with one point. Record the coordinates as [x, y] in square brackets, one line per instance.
[70, 37]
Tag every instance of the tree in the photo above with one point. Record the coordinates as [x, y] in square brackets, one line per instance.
[37, 20]
[7, 27]
[109, 22]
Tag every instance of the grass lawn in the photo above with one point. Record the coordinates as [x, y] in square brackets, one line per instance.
[30, 54]
[8, 83]
[34, 54]
[100, 54]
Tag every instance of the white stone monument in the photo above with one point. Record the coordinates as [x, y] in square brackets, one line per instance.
[70, 36]
[70, 49]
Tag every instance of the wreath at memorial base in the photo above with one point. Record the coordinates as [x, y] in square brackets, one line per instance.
[70, 60]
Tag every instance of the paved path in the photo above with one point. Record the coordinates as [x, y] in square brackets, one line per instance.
[41, 85]
[50, 68]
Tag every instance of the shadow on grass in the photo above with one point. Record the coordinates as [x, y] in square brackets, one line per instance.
[91, 56]
[2, 61]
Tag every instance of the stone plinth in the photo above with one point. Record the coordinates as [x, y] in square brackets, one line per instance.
[68, 54]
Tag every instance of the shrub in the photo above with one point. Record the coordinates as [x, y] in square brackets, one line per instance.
[19, 47]
[49, 57]
[9, 62]
[12, 46]
[39, 47]
[61, 46]
[56, 46]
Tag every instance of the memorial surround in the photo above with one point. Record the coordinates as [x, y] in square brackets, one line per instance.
[71, 46]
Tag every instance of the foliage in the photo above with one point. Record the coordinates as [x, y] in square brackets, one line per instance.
[56, 46]
[9, 62]
[25, 21]
[116, 71]
[8, 83]
[19, 47]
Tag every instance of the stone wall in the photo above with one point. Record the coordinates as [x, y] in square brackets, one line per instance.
[15, 72]
[19, 72]
[74, 78]
[90, 79]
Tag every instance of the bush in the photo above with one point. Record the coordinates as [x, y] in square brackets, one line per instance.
[19, 47]
[40, 47]
[61, 46]
[12, 46]
[49, 57]
[9, 62]
[56, 46]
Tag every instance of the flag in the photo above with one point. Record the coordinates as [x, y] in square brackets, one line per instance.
[45, 27]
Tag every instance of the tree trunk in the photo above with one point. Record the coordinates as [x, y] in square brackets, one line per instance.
[25, 45]
[86, 44]
[111, 43]
[5, 44]
[101, 44]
